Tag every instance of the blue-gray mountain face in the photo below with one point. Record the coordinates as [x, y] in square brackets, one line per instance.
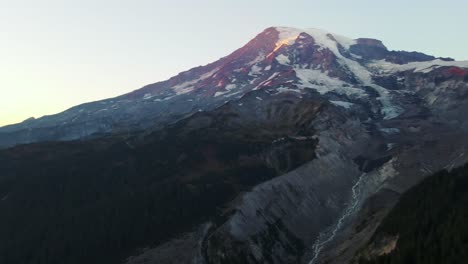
[292, 149]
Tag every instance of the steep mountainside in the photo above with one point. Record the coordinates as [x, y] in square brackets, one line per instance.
[99, 201]
[291, 149]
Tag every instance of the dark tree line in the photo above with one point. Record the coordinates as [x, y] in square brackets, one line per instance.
[431, 220]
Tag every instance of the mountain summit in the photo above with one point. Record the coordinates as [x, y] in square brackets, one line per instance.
[278, 60]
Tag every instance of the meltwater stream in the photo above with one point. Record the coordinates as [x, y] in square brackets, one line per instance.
[326, 237]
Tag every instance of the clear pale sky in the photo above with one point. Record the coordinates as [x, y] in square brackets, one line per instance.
[57, 54]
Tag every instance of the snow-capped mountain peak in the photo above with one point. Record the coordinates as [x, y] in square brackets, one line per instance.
[323, 38]
[279, 60]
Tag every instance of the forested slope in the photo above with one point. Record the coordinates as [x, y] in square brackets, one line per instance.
[428, 225]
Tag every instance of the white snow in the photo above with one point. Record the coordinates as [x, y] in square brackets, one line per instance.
[260, 57]
[283, 59]
[228, 88]
[385, 67]
[320, 81]
[266, 81]
[219, 93]
[225, 93]
[231, 86]
[255, 70]
[233, 93]
[355, 56]
[343, 104]
[285, 90]
[188, 86]
[390, 130]
[168, 98]
[390, 146]
[148, 96]
[288, 36]
[185, 87]
[101, 110]
[308, 76]
[259, 98]
[267, 68]
[330, 41]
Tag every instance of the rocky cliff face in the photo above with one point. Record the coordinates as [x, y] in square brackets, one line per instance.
[302, 141]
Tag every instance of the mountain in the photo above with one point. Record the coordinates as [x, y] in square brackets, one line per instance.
[279, 59]
[292, 149]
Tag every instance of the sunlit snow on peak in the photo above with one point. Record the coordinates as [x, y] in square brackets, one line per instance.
[325, 39]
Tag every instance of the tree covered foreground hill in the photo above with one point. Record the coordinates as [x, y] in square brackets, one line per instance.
[430, 222]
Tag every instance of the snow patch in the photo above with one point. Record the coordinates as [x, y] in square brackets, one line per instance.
[168, 98]
[266, 81]
[101, 110]
[228, 88]
[185, 87]
[283, 59]
[390, 130]
[148, 96]
[260, 57]
[322, 83]
[287, 36]
[220, 93]
[356, 56]
[255, 70]
[285, 90]
[343, 104]
[385, 67]
[189, 86]
[390, 146]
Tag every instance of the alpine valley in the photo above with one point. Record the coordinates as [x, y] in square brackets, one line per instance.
[295, 148]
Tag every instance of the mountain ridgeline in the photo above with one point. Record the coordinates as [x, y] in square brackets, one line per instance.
[292, 149]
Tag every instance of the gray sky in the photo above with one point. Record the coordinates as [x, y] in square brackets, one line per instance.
[56, 54]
